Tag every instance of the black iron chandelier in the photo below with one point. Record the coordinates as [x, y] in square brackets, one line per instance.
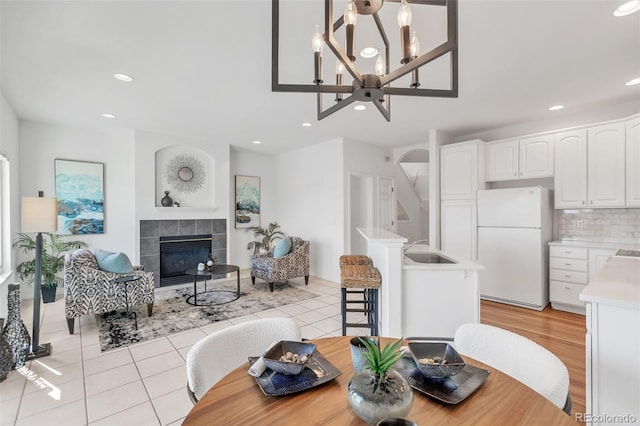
[376, 87]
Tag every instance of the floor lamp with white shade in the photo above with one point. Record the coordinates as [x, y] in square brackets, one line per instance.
[39, 214]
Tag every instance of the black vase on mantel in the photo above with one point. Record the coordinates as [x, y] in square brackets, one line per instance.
[14, 332]
[166, 200]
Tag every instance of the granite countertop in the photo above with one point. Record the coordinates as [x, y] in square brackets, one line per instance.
[617, 284]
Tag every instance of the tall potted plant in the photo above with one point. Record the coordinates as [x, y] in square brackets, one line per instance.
[264, 237]
[53, 251]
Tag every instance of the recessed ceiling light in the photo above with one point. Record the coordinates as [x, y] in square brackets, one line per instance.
[257, 142]
[633, 82]
[123, 77]
[360, 107]
[556, 107]
[306, 124]
[107, 115]
[627, 8]
[369, 52]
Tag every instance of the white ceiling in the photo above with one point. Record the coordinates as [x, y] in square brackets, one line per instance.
[202, 70]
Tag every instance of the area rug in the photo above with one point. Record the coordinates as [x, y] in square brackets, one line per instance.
[172, 314]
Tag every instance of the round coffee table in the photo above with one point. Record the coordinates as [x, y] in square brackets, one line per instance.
[207, 274]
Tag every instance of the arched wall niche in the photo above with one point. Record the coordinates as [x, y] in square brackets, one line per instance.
[188, 174]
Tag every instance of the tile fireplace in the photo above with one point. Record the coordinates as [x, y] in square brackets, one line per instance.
[168, 247]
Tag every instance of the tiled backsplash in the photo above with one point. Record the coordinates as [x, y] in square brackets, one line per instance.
[606, 225]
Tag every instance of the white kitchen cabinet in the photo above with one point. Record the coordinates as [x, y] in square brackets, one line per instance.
[612, 343]
[461, 170]
[570, 175]
[597, 258]
[572, 266]
[590, 167]
[606, 165]
[461, 175]
[536, 157]
[568, 276]
[458, 235]
[435, 302]
[633, 162]
[502, 160]
[526, 158]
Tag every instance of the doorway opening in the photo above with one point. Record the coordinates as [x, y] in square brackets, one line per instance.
[412, 181]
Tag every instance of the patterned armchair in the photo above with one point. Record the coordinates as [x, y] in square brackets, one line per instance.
[90, 290]
[294, 264]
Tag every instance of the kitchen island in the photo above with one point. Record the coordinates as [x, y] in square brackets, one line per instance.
[427, 296]
[613, 342]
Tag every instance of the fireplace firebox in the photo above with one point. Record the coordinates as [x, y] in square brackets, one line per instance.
[179, 253]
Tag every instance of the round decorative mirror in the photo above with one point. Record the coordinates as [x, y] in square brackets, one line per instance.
[185, 174]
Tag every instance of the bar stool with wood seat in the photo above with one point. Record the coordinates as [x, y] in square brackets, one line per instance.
[359, 276]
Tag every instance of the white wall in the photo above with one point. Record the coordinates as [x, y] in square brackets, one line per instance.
[41, 143]
[9, 149]
[249, 163]
[303, 190]
[144, 169]
[360, 205]
[310, 202]
[368, 160]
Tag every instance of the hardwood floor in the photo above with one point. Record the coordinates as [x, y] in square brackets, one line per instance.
[562, 333]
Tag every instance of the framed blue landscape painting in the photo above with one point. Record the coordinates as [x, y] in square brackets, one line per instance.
[247, 201]
[80, 194]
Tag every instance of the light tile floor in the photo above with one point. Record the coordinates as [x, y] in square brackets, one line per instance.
[142, 384]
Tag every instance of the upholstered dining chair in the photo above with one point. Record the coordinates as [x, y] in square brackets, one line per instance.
[519, 357]
[214, 356]
[292, 265]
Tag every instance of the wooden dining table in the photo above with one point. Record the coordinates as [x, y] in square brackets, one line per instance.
[238, 400]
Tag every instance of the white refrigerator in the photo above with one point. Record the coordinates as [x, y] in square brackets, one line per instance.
[514, 229]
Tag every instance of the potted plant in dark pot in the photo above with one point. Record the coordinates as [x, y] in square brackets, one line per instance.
[53, 251]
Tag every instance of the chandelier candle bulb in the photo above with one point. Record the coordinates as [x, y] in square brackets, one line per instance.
[404, 21]
[415, 46]
[380, 65]
[317, 43]
[339, 71]
[415, 52]
[350, 18]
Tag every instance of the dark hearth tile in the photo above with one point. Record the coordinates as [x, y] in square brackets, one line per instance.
[219, 226]
[149, 228]
[169, 228]
[187, 227]
[203, 226]
[149, 246]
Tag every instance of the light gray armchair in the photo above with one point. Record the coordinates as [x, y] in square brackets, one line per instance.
[295, 264]
[90, 290]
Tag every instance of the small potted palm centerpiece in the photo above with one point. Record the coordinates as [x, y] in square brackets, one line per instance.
[377, 391]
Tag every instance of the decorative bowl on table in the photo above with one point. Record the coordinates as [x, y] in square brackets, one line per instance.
[436, 360]
[289, 357]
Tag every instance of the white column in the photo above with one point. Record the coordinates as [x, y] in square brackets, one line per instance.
[385, 249]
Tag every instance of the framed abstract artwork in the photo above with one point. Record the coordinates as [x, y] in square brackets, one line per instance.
[247, 201]
[80, 194]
